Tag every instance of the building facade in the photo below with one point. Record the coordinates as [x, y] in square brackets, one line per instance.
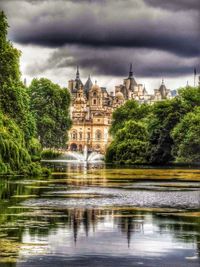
[91, 115]
[130, 89]
[92, 108]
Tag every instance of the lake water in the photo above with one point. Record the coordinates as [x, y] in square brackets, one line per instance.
[97, 216]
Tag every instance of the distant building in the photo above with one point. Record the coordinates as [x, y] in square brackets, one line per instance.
[162, 93]
[130, 89]
[92, 108]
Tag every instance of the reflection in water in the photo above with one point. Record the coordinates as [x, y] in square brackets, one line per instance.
[93, 234]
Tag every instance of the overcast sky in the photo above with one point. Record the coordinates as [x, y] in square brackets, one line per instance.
[161, 39]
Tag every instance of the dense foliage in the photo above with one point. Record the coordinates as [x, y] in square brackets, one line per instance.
[130, 144]
[170, 131]
[50, 154]
[186, 136]
[50, 105]
[14, 154]
[131, 110]
[17, 125]
[25, 120]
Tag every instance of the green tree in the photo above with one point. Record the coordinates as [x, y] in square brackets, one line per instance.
[165, 115]
[13, 153]
[131, 110]
[14, 99]
[50, 105]
[190, 97]
[9, 56]
[17, 124]
[186, 137]
[129, 145]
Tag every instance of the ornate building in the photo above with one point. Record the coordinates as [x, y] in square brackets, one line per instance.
[130, 89]
[162, 93]
[91, 115]
[92, 108]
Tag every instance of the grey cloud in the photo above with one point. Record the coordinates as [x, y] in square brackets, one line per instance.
[161, 38]
[114, 62]
[175, 5]
[130, 24]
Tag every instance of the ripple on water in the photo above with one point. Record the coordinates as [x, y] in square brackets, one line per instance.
[119, 197]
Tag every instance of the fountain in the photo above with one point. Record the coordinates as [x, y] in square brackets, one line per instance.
[74, 156]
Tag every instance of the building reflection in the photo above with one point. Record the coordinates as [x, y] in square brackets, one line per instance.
[38, 223]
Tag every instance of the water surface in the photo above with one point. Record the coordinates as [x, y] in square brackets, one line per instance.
[97, 216]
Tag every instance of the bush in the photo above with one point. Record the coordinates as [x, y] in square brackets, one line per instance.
[50, 154]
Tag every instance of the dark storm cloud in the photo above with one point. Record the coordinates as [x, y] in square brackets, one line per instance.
[115, 62]
[160, 37]
[128, 23]
[182, 43]
[175, 5]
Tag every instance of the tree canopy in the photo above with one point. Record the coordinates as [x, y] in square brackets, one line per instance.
[50, 105]
[186, 137]
[129, 145]
[130, 110]
[170, 130]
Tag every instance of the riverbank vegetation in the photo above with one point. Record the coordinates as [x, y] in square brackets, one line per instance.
[30, 118]
[163, 133]
[50, 154]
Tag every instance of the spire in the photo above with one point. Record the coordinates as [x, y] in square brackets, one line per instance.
[131, 71]
[88, 84]
[77, 73]
[78, 81]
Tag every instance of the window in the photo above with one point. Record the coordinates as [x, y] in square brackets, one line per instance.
[94, 102]
[98, 135]
[80, 136]
[88, 136]
[94, 94]
[74, 135]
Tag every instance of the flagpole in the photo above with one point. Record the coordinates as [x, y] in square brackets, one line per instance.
[195, 72]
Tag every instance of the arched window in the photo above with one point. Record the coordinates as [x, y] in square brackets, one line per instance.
[73, 147]
[94, 94]
[94, 102]
[98, 135]
[74, 135]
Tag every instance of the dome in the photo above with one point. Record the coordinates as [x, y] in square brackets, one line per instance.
[95, 87]
[119, 95]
